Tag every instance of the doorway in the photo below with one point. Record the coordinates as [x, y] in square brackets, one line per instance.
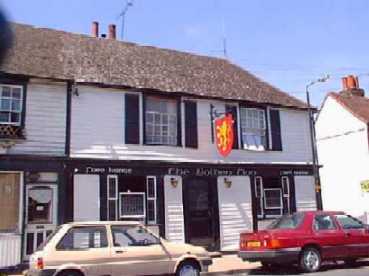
[41, 212]
[201, 214]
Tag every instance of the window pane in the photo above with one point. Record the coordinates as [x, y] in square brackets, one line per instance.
[272, 198]
[112, 210]
[5, 105]
[132, 205]
[16, 105]
[15, 117]
[151, 187]
[150, 210]
[132, 236]
[112, 187]
[40, 205]
[6, 92]
[16, 93]
[4, 117]
[287, 221]
[84, 238]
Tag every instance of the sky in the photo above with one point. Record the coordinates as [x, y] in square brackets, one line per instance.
[287, 43]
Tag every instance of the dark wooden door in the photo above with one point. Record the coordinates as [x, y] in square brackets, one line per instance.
[201, 212]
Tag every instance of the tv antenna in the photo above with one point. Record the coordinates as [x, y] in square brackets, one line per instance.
[127, 5]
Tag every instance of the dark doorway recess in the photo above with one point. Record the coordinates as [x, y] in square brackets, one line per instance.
[201, 213]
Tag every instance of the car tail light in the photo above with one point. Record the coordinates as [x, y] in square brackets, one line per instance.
[40, 263]
[274, 243]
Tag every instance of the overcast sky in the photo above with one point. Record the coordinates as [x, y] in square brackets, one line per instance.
[286, 43]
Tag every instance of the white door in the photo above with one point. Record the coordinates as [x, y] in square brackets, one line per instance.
[41, 215]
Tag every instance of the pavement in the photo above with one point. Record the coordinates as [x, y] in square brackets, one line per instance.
[225, 265]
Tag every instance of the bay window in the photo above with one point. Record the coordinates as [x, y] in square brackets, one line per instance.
[253, 128]
[161, 121]
[11, 104]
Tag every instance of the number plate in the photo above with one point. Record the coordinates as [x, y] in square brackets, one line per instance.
[253, 244]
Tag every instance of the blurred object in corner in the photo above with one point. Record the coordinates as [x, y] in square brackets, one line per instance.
[6, 36]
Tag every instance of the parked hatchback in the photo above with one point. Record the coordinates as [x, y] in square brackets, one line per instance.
[307, 238]
[114, 248]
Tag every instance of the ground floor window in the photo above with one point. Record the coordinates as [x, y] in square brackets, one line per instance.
[132, 198]
[9, 201]
[273, 196]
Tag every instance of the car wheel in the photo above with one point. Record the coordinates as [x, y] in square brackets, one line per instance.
[310, 260]
[188, 269]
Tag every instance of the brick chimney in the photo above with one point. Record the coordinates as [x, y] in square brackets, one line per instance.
[95, 29]
[112, 32]
[350, 86]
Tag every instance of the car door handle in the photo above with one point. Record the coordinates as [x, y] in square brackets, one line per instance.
[348, 234]
[119, 251]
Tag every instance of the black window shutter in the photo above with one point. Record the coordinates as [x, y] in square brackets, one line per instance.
[179, 125]
[132, 108]
[230, 109]
[191, 133]
[275, 125]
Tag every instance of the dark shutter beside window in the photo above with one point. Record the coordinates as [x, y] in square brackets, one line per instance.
[132, 131]
[233, 110]
[179, 123]
[191, 133]
[275, 125]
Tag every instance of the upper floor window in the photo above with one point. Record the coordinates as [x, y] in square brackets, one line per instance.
[10, 104]
[161, 121]
[253, 128]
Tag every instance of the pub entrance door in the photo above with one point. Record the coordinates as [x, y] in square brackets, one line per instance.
[41, 215]
[201, 214]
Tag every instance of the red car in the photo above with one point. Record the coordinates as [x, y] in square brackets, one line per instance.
[307, 238]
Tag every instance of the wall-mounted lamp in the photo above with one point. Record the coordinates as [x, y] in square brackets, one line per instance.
[174, 182]
[227, 182]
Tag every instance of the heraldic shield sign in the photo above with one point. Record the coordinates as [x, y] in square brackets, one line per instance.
[224, 134]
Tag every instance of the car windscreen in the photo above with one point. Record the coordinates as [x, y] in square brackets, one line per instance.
[287, 221]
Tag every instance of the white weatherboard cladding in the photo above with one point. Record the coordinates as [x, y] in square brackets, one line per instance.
[98, 132]
[343, 152]
[235, 210]
[45, 121]
[174, 218]
[86, 197]
[305, 193]
[10, 247]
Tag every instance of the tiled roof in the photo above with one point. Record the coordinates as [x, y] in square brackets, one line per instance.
[357, 105]
[48, 53]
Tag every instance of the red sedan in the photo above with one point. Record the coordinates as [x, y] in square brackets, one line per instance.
[307, 238]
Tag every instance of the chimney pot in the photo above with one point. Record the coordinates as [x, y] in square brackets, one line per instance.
[344, 83]
[95, 29]
[112, 32]
[103, 35]
[351, 82]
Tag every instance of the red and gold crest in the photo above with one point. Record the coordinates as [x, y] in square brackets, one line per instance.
[224, 134]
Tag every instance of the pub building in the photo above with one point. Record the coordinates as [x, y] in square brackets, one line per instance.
[93, 128]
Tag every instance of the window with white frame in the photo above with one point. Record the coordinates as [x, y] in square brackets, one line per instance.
[161, 121]
[112, 196]
[253, 128]
[259, 196]
[151, 199]
[286, 194]
[11, 104]
[132, 205]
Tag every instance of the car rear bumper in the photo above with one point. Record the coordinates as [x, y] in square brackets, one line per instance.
[43, 272]
[285, 255]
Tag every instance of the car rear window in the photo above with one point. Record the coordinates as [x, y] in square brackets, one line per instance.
[287, 221]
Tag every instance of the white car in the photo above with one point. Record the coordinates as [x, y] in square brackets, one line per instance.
[114, 248]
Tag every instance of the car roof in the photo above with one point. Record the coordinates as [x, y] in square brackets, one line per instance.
[121, 222]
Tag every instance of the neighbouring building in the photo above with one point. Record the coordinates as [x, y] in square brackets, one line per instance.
[343, 149]
[92, 128]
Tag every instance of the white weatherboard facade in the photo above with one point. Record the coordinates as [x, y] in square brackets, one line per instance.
[343, 151]
[98, 132]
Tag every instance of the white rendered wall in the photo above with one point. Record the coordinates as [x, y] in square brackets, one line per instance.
[174, 218]
[98, 132]
[343, 152]
[86, 197]
[235, 211]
